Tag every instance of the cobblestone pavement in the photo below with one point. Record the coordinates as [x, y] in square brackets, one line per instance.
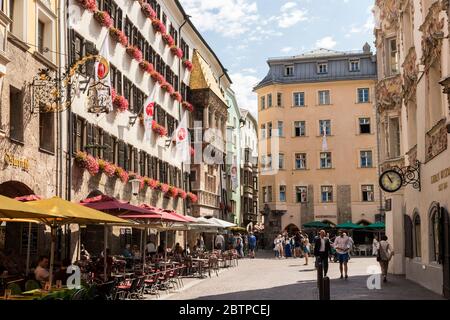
[266, 278]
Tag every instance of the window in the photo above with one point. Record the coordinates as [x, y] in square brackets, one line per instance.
[15, 114]
[289, 71]
[392, 57]
[325, 127]
[436, 234]
[364, 126]
[363, 95]
[324, 97]
[282, 193]
[300, 161]
[40, 32]
[263, 103]
[269, 100]
[280, 129]
[366, 159]
[281, 161]
[269, 161]
[79, 124]
[354, 65]
[263, 131]
[47, 131]
[327, 193]
[325, 160]
[301, 194]
[299, 99]
[368, 194]
[322, 68]
[300, 128]
[269, 129]
[279, 99]
[394, 137]
[417, 237]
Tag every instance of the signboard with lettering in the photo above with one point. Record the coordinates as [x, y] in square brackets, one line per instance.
[16, 162]
[438, 177]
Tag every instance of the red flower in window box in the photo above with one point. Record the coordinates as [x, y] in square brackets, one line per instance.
[164, 188]
[168, 39]
[120, 103]
[159, 129]
[176, 96]
[134, 53]
[156, 76]
[90, 5]
[87, 162]
[159, 26]
[148, 10]
[192, 151]
[187, 106]
[182, 194]
[119, 36]
[168, 88]
[172, 192]
[152, 183]
[121, 174]
[103, 18]
[106, 167]
[192, 197]
[177, 51]
[146, 66]
[188, 65]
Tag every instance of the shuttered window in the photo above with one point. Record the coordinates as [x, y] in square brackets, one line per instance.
[409, 247]
[121, 154]
[108, 145]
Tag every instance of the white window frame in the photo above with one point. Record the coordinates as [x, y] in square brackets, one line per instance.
[328, 160]
[363, 95]
[389, 51]
[370, 192]
[328, 127]
[49, 18]
[282, 192]
[303, 191]
[301, 128]
[329, 199]
[366, 152]
[323, 66]
[353, 62]
[319, 96]
[303, 161]
[289, 67]
[301, 95]
[360, 124]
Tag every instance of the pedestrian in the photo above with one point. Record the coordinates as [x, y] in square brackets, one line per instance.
[278, 246]
[287, 247]
[375, 245]
[322, 248]
[297, 244]
[251, 245]
[239, 247]
[385, 254]
[306, 250]
[219, 243]
[342, 245]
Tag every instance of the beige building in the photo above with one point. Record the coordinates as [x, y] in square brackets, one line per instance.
[304, 176]
[412, 39]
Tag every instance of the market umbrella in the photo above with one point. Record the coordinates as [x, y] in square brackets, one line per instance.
[223, 223]
[349, 225]
[72, 213]
[11, 209]
[111, 205]
[376, 225]
[316, 225]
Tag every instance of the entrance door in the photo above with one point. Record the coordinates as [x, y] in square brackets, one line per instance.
[445, 223]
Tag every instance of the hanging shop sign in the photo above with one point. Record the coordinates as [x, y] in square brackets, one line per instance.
[20, 163]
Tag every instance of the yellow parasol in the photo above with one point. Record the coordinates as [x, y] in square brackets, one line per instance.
[13, 210]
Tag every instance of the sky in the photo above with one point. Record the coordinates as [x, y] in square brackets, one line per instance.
[245, 33]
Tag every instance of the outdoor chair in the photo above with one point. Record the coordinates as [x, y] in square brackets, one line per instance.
[108, 290]
[15, 288]
[137, 288]
[32, 285]
[163, 281]
[151, 285]
[213, 265]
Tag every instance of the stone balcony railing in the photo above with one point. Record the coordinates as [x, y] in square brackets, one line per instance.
[208, 199]
[436, 141]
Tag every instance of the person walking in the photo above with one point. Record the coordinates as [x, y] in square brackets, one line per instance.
[220, 241]
[322, 249]
[342, 245]
[375, 245]
[278, 243]
[306, 250]
[251, 245]
[385, 254]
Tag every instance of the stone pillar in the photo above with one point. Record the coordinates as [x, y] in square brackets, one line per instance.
[344, 203]
[206, 117]
[396, 235]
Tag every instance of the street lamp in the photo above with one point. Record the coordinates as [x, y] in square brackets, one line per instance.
[135, 185]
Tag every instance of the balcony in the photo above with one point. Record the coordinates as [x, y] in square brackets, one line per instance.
[208, 199]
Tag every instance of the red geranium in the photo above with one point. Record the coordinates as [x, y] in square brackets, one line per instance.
[103, 18]
[182, 194]
[119, 36]
[192, 197]
[188, 65]
[159, 129]
[168, 39]
[120, 103]
[90, 5]
[156, 76]
[152, 183]
[146, 66]
[134, 53]
[177, 96]
[172, 192]
[168, 87]
[177, 51]
[121, 174]
[159, 26]
[106, 167]
[148, 10]
[164, 188]
[187, 106]
[91, 165]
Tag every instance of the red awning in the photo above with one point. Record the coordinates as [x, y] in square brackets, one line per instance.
[185, 218]
[153, 213]
[112, 205]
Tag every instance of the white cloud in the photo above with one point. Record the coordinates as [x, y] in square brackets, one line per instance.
[243, 87]
[287, 49]
[326, 43]
[290, 15]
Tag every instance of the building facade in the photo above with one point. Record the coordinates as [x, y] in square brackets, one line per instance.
[413, 113]
[249, 169]
[233, 164]
[30, 161]
[318, 145]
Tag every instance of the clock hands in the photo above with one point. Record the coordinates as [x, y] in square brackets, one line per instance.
[390, 179]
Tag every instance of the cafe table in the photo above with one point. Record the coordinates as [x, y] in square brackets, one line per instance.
[201, 263]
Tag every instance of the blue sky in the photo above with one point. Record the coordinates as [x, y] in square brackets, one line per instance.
[244, 33]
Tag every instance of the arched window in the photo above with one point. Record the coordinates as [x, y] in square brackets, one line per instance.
[417, 237]
[435, 225]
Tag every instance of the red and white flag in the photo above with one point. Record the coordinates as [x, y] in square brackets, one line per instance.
[102, 70]
[149, 111]
[182, 140]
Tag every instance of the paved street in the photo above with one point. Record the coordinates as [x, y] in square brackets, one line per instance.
[288, 279]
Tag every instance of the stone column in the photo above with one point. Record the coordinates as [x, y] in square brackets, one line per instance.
[396, 234]
[206, 117]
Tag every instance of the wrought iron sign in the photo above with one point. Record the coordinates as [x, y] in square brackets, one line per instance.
[99, 98]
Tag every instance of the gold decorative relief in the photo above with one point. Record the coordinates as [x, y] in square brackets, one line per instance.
[389, 13]
[410, 75]
[436, 140]
[389, 93]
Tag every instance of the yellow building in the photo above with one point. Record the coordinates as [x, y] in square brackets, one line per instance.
[306, 175]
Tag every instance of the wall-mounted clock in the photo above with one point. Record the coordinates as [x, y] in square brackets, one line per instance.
[391, 181]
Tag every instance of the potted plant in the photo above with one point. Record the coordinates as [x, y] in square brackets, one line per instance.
[188, 65]
[119, 36]
[148, 10]
[177, 51]
[146, 66]
[187, 106]
[168, 39]
[134, 53]
[159, 26]
[90, 5]
[176, 96]
[103, 18]
[159, 129]
[167, 87]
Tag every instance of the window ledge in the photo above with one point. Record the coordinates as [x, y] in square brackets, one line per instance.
[22, 143]
[368, 102]
[305, 106]
[42, 150]
[326, 168]
[324, 105]
[300, 136]
[18, 42]
[42, 59]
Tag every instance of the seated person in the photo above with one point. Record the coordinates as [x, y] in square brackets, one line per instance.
[127, 252]
[161, 249]
[62, 274]
[187, 251]
[84, 254]
[41, 272]
[151, 248]
[136, 252]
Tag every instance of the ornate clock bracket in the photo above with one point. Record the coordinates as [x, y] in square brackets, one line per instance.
[411, 175]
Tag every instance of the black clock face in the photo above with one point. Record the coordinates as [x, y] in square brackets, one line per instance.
[391, 181]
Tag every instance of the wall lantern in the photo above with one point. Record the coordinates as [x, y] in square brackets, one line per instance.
[135, 185]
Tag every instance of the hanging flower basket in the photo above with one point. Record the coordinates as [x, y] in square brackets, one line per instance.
[103, 18]
[120, 103]
[192, 197]
[119, 36]
[146, 66]
[148, 10]
[168, 88]
[90, 5]
[121, 174]
[159, 129]
[168, 39]
[176, 51]
[106, 167]
[187, 106]
[176, 96]
[159, 26]
[188, 65]
[134, 53]
[87, 162]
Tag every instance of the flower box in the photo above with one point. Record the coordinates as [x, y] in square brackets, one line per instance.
[134, 53]
[187, 106]
[90, 5]
[177, 51]
[188, 65]
[156, 76]
[148, 11]
[106, 167]
[103, 18]
[176, 96]
[159, 129]
[159, 26]
[192, 197]
[164, 188]
[121, 174]
[172, 192]
[168, 88]
[120, 103]
[119, 36]
[146, 66]
[152, 183]
[182, 194]
[87, 162]
[168, 39]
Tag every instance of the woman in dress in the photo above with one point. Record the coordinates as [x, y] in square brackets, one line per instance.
[306, 249]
